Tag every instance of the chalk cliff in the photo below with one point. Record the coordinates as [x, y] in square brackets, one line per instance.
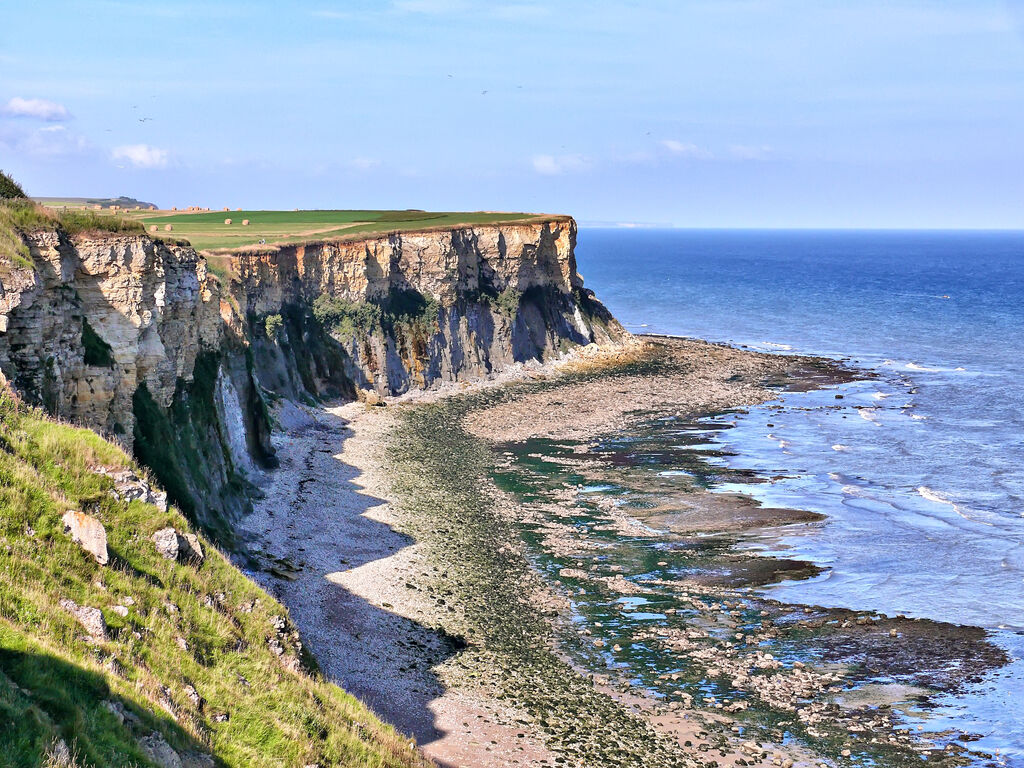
[447, 305]
[133, 337]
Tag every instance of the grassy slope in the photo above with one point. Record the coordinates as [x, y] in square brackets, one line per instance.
[207, 231]
[53, 682]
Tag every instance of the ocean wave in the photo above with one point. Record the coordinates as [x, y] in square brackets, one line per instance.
[938, 498]
[868, 414]
[912, 366]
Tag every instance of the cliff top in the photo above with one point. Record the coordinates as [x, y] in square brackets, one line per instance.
[211, 230]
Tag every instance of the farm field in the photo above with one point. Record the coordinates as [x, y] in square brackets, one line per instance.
[207, 230]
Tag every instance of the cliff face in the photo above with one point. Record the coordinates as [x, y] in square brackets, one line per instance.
[446, 305]
[97, 319]
[129, 336]
[132, 337]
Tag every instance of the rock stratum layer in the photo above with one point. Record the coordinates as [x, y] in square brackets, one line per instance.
[133, 336]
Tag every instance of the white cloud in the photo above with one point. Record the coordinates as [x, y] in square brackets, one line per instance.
[552, 165]
[54, 141]
[750, 152]
[364, 163]
[141, 155]
[40, 109]
[684, 149]
[49, 142]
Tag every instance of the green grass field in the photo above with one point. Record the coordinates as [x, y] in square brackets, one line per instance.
[207, 230]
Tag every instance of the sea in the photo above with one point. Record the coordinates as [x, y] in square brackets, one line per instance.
[921, 472]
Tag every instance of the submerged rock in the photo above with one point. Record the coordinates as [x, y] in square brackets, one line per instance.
[88, 533]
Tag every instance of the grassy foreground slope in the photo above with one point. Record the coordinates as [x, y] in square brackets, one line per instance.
[194, 655]
[208, 230]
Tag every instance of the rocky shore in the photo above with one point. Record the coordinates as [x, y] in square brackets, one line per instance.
[446, 561]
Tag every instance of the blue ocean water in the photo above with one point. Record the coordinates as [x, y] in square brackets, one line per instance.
[921, 472]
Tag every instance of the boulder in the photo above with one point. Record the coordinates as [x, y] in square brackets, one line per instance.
[90, 618]
[197, 760]
[130, 487]
[183, 547]
[371, 397]
[159, 751]
[88, 533]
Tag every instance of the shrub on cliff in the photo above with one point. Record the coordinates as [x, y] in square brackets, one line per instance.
[508, 302]
[401, 307]
[273, 325]
[347, 319]
[10, 189]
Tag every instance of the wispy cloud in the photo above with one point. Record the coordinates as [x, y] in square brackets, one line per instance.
[55, 141]
[141, 155]
[521, 12]
[554, 165]
[332, 14]
[685, 149]
[750, 152]
[505, 11]
[47, 142]
[364, 163]
[40, 109]
[430, 6]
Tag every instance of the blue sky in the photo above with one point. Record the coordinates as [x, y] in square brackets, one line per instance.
[733, 113]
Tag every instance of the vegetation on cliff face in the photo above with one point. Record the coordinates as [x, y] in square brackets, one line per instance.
[191, 656]
[186, 450]
[12, 246]
[348, 319]
[97, 351]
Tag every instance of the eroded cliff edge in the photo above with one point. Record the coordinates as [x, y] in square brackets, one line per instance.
[134, 337]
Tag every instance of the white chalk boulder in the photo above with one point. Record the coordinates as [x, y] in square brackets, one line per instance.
[88, 533]
[183, 547]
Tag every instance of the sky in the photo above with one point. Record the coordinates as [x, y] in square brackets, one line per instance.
[737, 113]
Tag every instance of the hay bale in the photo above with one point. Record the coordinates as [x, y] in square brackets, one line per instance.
[168, 227]
[152, 227]
[225, 209]
[227, 221]
[245, 222]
